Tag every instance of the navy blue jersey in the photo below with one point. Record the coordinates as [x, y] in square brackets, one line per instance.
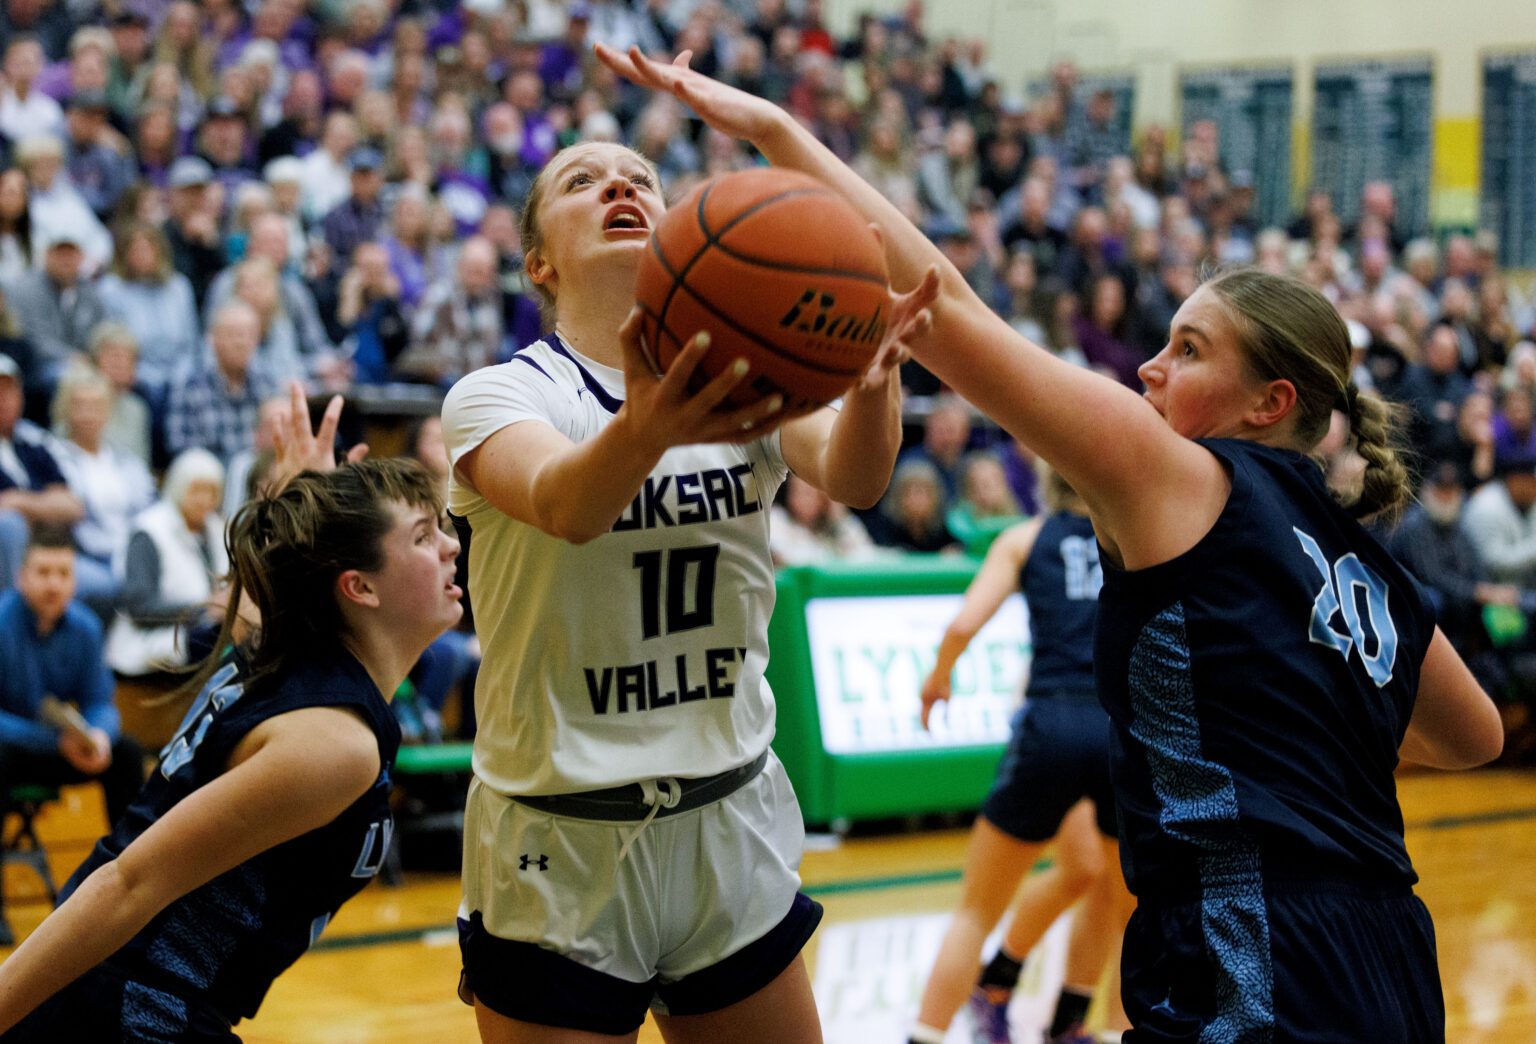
[1060, 581]
[1260, 685]
[220, 946]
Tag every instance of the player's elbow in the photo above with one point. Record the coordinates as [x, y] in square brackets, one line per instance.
[1489, 742]
[863, 497]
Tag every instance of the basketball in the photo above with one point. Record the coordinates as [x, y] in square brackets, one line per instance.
[778, 270]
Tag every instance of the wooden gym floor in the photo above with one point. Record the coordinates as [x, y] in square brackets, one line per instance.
[386, 968]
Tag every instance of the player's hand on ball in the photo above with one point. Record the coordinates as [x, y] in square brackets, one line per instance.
[664, 412]
[911, 319]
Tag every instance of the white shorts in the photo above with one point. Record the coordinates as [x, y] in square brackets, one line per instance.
[693, 889]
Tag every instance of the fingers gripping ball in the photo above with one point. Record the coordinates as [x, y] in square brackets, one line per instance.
[780, 271]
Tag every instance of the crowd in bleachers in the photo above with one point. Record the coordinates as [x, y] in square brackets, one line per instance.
[202, 201]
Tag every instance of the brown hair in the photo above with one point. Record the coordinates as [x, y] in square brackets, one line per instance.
[287, 550]
[125, 236]
[531, 233]
[1288, 331]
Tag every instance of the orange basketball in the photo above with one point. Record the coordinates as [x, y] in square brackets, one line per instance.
[778, 270]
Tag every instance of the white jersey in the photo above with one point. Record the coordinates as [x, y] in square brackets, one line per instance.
[639, 654]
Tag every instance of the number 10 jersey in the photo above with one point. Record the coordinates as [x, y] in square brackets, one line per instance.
[639, 654]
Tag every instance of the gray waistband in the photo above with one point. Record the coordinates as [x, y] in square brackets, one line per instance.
[627, 803]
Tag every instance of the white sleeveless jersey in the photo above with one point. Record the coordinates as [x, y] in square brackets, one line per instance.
[639, 654]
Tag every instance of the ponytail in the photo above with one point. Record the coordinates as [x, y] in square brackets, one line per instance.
[286, 551]
[1376, 426]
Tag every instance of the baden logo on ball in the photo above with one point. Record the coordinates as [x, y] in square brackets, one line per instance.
[779, 271]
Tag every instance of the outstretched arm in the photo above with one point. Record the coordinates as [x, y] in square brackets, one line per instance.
[997, 578]
[1136, 474]
[291, 774]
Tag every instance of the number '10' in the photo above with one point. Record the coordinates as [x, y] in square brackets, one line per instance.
[678, 563]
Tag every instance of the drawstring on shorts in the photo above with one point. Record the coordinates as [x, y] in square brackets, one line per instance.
[651, 793]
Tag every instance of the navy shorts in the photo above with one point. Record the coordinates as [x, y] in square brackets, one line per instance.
[1058, 753]
[1343, 965]
[526, 982]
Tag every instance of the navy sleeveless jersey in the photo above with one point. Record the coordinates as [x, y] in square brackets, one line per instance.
[1260, 686]
[220, 946]
[1060, 581]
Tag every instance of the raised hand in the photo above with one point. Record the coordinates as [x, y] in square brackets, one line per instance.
[911, 319]
[726, 109]
[298, 448]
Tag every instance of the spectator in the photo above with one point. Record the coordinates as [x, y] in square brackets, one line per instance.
[278, 355]
[521, 322]
[357, 219]
[1475, 453]
[1434, 390]
[222, 143]
[55, 207]
[113, 486]
[1513, 429]
[156, 143]
[25, 111]
[1494, 330]
[32, 488]
[182, 44]
[16, 254]
[1091, 254]
[131, 56]
[886, 164]
[94, 157]
[192, 229]
[302, 122]
[56, 307]
[459, 326]
[1500, 521]
[146, 294]
[408, 242]
[326, 179]
[810, 528]
[1101, 333]
[1456, 305]
[213, 404]
[372, 311]
[175, 560]
[285, 177]
[1028, 228]
[1092, 141]
[1430, 541]
[51, 646]
[946, 437]
[115, 355]
[911, 516]
[947, 176]
[316, 355]
[986, 505]
[1020, 284]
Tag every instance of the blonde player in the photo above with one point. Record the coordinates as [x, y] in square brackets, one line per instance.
[631, 843]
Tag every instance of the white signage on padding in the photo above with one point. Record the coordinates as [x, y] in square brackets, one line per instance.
[870, 655]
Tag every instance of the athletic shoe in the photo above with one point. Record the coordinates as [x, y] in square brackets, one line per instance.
[989, 1020]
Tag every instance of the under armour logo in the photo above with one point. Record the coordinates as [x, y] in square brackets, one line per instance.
[542, 862]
